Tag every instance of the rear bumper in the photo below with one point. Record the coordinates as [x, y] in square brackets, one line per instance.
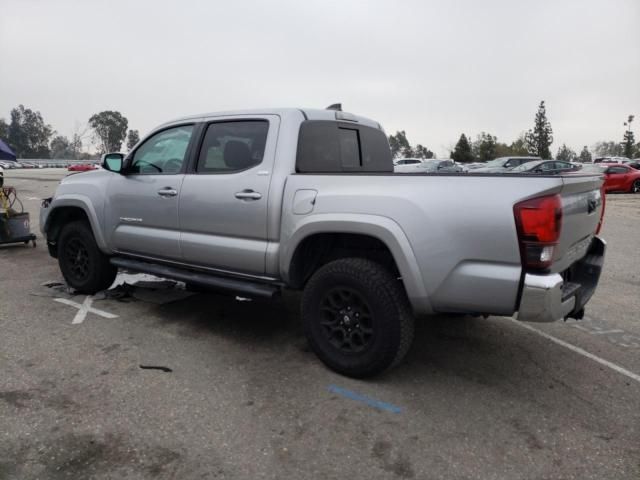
[547, 298]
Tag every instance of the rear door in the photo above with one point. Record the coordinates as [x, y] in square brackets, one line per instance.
[223, 203]
[616, 177]
[141, 213]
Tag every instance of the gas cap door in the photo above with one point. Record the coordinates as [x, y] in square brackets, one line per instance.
[304, 201]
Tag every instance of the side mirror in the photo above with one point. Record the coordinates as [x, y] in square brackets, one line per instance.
[113, 162]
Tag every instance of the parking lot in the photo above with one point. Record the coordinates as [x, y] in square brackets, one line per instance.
[239, 395]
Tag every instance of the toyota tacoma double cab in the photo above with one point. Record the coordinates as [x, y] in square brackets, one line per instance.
[253, 202]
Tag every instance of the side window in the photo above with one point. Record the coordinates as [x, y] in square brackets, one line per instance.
[548, 166]
[232, 146]
[617, 170]
[165, 152]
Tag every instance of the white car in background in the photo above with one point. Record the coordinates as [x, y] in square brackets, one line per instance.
[407, 161]
[431, 165]
[611, 160]
[474, 165]
[405, 165]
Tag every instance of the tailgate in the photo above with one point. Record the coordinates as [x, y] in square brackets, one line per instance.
[582, 205]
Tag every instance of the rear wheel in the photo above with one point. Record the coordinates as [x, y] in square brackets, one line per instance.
[356, 317]
[635, 187]
[84, 267]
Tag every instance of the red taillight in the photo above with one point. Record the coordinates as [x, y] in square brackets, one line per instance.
[539, 221]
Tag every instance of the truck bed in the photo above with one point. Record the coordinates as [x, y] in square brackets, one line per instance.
[460, 227]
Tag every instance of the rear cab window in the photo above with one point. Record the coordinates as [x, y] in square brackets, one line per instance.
[327, 146]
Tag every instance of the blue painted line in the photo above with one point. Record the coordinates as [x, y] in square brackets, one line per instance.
[372, 402]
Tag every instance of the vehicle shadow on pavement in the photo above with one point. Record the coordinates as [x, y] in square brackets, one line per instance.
[256, 323]
[491, 355]
[461, 346]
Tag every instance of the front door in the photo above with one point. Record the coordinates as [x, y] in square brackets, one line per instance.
[223, 202]
[142, 203]
[616, 178]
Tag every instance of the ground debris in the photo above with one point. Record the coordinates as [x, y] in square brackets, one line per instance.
[126, 287]
[156, 367]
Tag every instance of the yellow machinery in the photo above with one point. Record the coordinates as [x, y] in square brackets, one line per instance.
[14, 225]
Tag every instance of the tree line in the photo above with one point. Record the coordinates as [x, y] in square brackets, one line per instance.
[29, 136]
[535, 142]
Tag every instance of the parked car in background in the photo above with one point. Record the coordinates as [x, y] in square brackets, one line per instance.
[617, 177]
[611, 160]
[635, 163]
[546, 167]
[82, 167]
[474, 165]
[407, 161]
[503, 163]
[430, 166]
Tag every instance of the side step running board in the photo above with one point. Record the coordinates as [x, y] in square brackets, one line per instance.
[245, 287]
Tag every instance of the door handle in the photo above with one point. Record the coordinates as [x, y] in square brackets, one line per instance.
[168, 192]
[248, 195]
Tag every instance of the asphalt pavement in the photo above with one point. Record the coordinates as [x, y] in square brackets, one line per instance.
[235, 393]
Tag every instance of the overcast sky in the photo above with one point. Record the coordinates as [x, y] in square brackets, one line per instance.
[433, 68]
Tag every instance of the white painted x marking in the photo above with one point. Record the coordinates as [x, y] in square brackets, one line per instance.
[84, 308]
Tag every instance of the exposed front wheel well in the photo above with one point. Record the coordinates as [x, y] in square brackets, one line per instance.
[59, 218]
[319, 249]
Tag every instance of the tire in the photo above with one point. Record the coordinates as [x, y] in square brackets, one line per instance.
[84, 267]
[635, 186]
[356, 317]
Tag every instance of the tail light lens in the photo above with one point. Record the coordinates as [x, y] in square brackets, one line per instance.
[539, 221]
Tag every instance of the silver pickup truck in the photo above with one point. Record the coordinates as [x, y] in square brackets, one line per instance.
[253, 202]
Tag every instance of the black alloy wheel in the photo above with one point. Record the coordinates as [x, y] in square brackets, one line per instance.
[347, 320]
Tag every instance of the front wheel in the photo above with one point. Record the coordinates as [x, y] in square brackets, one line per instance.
[84, 267]
[635, 186]
[356, 317]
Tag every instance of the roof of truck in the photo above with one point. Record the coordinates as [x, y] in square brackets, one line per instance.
[308, 114]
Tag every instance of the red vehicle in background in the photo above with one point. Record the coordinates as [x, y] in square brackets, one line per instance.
[82, 167]
[617, 177]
